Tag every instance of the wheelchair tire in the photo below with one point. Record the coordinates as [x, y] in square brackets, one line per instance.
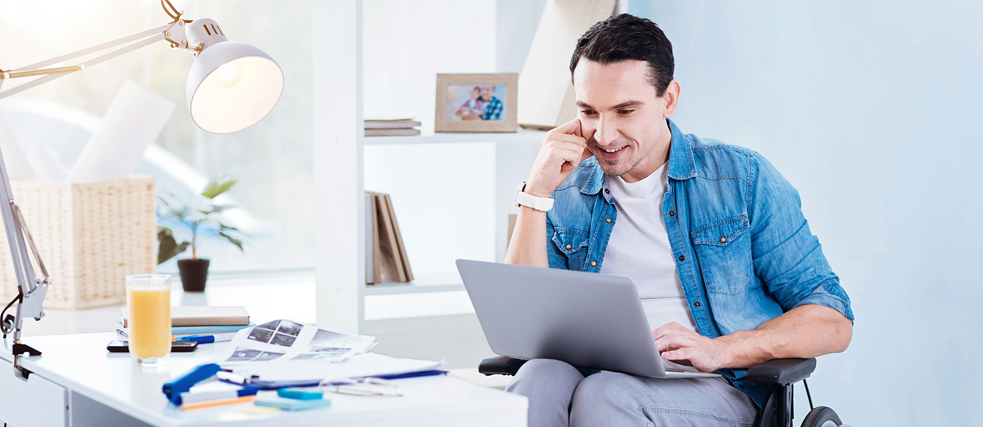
[822, 416]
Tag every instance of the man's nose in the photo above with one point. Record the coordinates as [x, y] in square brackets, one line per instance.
[606, 132]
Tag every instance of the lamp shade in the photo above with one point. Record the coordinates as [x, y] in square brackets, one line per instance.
[231, 86]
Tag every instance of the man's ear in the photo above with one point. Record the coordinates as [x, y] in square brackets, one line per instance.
[671, 98]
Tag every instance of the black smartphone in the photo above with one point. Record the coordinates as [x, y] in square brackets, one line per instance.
[176, 346]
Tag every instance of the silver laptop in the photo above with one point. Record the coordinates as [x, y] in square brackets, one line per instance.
[588, 320]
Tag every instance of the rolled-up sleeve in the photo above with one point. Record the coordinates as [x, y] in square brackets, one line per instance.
[787, 257]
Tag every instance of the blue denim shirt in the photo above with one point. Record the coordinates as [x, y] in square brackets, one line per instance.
[743, 249]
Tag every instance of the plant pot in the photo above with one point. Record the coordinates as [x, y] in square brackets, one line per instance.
[194, 274]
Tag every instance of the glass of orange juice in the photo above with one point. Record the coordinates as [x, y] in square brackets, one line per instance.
[148, 298]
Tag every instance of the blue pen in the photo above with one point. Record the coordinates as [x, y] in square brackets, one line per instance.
[204, 339]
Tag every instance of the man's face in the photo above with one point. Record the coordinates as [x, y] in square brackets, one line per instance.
[622, 118]
[487, 92]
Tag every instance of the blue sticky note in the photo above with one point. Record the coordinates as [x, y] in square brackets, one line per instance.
[292, 404]
[299, 393]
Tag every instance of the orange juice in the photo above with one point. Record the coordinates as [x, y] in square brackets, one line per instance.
[149, 324]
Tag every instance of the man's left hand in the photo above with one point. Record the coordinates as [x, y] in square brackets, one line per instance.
[680, 345]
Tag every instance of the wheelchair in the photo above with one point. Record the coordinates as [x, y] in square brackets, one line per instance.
[777, 412]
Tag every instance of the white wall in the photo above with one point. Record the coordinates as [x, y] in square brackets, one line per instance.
[871, 110]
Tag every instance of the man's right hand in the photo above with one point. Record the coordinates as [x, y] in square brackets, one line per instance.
[565, 147]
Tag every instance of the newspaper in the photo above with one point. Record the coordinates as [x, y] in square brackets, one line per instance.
[283, 340]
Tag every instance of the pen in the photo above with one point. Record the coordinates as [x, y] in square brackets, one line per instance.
[204, 339]
[242, 399]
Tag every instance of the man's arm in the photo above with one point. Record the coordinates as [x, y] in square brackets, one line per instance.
[565, 147]
[803, 332]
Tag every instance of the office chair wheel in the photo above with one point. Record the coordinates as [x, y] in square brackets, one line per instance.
[822, 417]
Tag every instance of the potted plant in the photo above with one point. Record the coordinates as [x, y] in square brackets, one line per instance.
[180, 225]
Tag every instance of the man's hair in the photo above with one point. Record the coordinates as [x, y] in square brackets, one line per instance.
[625, 37]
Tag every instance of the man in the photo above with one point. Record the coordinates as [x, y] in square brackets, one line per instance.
[713, 236]
[493, 105]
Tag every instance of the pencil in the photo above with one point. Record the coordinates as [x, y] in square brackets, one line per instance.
[197, 405]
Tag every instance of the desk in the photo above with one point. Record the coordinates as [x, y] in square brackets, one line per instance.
[76, 382]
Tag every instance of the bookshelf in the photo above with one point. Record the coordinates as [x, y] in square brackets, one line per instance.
[339, 156]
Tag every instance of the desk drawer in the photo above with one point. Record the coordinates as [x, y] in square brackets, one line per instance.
[35, 402]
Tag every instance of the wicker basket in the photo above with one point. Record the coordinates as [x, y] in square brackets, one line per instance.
[90, 236]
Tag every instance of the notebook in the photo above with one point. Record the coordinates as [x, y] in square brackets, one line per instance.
[202, 316]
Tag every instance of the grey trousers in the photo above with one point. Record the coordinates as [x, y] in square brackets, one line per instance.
[560, 395]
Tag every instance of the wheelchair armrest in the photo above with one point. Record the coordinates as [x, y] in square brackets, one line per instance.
[781, 371]
[500, 365]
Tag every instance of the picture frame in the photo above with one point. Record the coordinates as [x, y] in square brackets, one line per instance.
[477, 102]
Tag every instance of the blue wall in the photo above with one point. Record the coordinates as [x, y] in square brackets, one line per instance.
[873, 112]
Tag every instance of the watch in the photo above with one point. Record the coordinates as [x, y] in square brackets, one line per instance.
[528, 200]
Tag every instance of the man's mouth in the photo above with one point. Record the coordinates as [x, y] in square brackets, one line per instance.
[613, 150]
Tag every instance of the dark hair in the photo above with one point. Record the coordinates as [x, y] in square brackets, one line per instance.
[625, 37]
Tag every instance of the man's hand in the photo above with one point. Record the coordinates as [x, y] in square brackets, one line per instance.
[565, 147]
[680, 345]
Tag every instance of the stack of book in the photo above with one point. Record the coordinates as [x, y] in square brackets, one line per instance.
[385, 257]
[388, 126]
[197, 320]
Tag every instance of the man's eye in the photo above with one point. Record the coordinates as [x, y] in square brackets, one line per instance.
[588, 112]
[625, 112]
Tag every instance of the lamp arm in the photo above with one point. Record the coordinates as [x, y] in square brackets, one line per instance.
[173, 32]
[31, 289]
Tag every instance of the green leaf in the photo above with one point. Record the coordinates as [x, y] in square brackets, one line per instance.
[228, 227]
[169, 248]
[232, 240]
[218, 187]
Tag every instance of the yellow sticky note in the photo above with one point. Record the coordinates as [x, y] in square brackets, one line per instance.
[257, 409]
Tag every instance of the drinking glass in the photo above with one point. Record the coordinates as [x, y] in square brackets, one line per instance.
[148, 298]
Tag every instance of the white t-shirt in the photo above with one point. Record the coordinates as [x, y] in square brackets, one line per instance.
[639, 248]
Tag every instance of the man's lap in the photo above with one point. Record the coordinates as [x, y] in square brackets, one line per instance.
[610, 398]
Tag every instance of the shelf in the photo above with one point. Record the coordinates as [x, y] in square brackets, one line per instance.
[429, 282]
[522, 136]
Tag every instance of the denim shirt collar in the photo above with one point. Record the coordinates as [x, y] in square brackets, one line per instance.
[681, 164]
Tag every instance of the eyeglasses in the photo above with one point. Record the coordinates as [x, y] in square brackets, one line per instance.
[367, 386]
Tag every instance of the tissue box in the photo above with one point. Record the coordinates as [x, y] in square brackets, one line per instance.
[90, 236]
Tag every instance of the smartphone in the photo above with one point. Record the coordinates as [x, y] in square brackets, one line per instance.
[176, 346]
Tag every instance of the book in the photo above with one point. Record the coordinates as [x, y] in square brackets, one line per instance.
[399, 240]
[392, 265]
[391, 124]
[392, 132]
[194, 330]
[201, 316]
[373, 256]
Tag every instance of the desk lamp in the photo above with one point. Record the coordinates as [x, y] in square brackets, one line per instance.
[230, 87]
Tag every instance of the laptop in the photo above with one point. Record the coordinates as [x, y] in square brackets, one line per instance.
[588, 320]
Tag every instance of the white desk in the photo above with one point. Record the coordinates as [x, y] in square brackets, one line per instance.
[76, 382]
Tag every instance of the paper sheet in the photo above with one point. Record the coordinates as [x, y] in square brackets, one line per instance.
[132, 123]
[284, 350]
[285, 340]
[14, 157]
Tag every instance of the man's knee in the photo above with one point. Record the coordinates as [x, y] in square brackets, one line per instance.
[543, 373]
[604, 389]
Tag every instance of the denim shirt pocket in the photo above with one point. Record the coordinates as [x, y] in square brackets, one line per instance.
[724, 251]
[573, 245]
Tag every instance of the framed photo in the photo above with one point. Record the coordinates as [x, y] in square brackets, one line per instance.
[477, 102]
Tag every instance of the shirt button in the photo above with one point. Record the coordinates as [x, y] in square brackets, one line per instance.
[682, 258]
[672, 213]
[696, 304]
[593, 263]
[606, 191]
[723, 240]
[569, 246]
[607, 220]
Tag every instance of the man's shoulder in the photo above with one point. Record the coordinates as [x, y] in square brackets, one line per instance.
[715, 159]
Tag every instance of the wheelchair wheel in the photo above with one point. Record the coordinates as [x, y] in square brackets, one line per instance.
[822, 417]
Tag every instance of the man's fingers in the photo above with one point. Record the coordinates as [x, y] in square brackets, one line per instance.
[569, 128]
[586, 154]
